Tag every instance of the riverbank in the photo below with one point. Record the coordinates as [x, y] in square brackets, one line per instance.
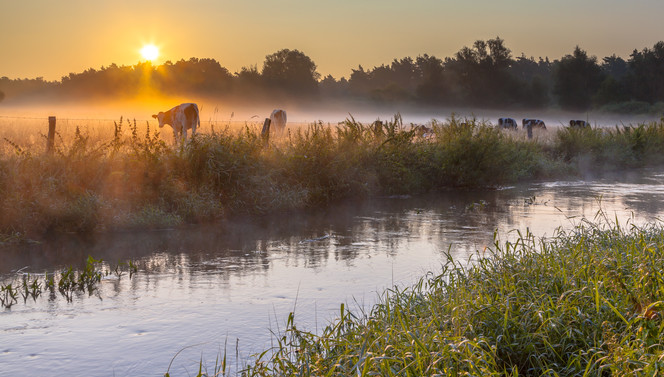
[584, 302]
[138, 181]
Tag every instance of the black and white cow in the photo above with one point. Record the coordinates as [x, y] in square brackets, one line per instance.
[181, 118]
[575, 123]
[507, 123]
[278, 120]
[422, 131]
[533, 123]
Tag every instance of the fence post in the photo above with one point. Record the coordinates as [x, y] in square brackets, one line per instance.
[51, 135]
[266, 131]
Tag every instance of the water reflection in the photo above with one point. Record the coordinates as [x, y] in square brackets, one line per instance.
[237, 281]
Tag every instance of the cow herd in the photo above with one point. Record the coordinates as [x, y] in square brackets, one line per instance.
[511, 123]
[185, 117]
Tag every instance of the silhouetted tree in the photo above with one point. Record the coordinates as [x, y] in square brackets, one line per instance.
[431, 85]
[576, 79]
[292, 71]
[615, 66]
[482, 73]
[647, 73]
[331, 87]
[359, 82]
[248, 80]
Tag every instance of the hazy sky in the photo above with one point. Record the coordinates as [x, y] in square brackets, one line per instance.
[51, 38]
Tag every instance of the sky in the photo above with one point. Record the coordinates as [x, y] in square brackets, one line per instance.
[51, 38]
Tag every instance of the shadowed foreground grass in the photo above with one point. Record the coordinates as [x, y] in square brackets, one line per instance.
[587, 302]
[136, 180]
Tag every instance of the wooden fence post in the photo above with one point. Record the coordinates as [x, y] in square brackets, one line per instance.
[51, 135]
[266, 131]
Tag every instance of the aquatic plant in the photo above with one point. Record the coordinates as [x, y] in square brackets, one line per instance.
[68, 281]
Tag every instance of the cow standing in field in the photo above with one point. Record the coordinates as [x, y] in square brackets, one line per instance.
[422, 131]
[181, 118]
[278, 120]
[578, 124]
[533, 123]
[507, 123]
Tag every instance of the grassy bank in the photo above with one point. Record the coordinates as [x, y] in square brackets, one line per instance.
[135, 179]
[587, 302]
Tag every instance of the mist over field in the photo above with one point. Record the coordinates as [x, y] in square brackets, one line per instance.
[484, 81]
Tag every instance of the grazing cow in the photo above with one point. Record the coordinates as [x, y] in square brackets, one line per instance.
[507, 123]
[423, 131]
[533, 123]
[579, 124]
[182, 117]
[278, 120]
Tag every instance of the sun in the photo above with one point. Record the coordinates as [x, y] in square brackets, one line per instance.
[150, 52]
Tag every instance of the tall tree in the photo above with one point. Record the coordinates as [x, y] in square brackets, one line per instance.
[292, 71]
[576, 79]
[482, 73]
[431, 86]
[647, 70]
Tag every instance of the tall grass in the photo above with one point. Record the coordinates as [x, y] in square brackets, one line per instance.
[135, 179]
[587, 302]
[618, 148]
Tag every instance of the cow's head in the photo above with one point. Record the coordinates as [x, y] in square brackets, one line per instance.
[160, 118]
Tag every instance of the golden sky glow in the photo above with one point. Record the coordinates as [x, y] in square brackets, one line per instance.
[50, 39]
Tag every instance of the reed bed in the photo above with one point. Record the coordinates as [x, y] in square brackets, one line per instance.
[128, 175]
[586, 302]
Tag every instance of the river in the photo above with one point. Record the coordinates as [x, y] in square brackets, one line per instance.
[226, 288]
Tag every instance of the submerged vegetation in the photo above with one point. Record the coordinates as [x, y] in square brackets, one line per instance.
[68, 282]
[586, 302]
[136, 180]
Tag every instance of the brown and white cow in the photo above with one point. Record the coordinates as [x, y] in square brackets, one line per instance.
[181, 118]
[278, 120]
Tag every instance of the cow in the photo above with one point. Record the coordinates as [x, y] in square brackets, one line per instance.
[422, 131]
[181, 118]
[278, 120]
[533, 123]
[507, 123]
[575, 123]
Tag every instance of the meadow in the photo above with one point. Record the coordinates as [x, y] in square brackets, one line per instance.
[125, 174]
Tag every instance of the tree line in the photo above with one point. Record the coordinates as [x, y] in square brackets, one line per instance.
[485, 74]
